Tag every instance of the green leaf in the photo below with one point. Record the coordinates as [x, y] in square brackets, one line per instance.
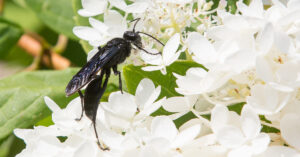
[22, 16]
[236, 107]
[81, 21]
[231, 5]
[134, 74]
[22, 97]
[11, 146]
[56, 14]
[183, 119]
[268, 129]
[10, 34]
[5, 146]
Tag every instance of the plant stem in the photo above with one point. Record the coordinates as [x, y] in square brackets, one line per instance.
[61, 44]
[35, 45]
[1, 7]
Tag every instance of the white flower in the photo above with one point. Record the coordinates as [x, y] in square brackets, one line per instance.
[79, 136]
[266, 100]
[209, 54]
[101, 32]
[139, 6]
[241, 134]
[125, 110]
[169, 55]
[65, 118]
[165, 139]
[290, 128]
[255, 9]
[283, 76]
[279, 151]
[180, 105]
[92, 7]
[232, 58]
[199, 81]
[175, 1]
[237, 29]
[45, 136]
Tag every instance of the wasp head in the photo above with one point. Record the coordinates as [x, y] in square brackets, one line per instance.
[133, 37]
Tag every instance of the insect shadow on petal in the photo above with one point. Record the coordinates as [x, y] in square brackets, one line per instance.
[107, 58]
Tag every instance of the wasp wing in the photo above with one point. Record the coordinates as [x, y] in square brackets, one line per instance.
[90, 69]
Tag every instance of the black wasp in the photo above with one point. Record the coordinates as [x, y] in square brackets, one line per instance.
[107, 58]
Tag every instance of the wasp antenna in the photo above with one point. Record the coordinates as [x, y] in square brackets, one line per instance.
[152, 38]
[137, 20]
[159, 53]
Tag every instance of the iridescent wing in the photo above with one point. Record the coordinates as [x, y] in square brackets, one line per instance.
[90, 69]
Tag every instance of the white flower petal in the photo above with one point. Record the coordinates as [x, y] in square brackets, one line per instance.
[119, 4]
[163, 126]
[146, 93]
[265, 38]
[282, 42]
[219, 117]
[122, 105]
[280, 87]
[266, 100]
[264, 70]
[250, 122]
[290, 129]
[112, 139]
[117, 26]
[279, 151]
[205, 130]
[86, 149]
[87, 13]
[152, 68]
[151, 59]
[173, 59]
[244, 151]
[176, 104]
[260, 143]
[171, 47]
[101, 27]
[137, 7]
[51, 104]
[255, 8]
[94, 6]
[293, 4]
[201, 47]
[230, 136]
[198, 81]
[87, 33]
[186, 136]
[150, 109]
[175, 1]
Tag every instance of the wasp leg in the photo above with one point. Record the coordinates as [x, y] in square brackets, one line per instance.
[93, 94]
[116, 72]
[94, 116]
[82, 108]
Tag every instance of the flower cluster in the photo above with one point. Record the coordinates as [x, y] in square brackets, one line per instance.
[252, 61]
